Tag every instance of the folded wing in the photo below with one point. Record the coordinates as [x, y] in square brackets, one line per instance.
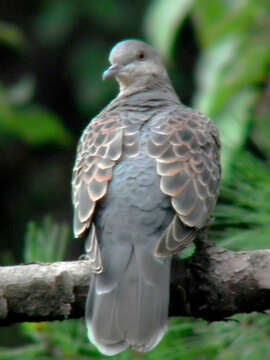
[99, 148]
[186, 147]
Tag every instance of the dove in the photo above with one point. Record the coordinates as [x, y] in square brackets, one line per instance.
[145, 182]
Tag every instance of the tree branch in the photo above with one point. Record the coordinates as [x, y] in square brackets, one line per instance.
[214, 284]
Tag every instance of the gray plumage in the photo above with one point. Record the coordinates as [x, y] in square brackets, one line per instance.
[145, 180]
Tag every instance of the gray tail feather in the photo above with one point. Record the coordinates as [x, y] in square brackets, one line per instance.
[134, 312]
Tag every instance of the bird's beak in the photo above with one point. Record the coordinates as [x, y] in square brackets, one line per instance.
[112, 72]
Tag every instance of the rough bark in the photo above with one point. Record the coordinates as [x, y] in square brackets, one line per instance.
[214, 284]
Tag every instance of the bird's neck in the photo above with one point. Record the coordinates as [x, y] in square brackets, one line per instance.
[147, 100]
[153, 94]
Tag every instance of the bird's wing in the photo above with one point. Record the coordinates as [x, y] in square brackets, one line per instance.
[99, 148]
[186, 147]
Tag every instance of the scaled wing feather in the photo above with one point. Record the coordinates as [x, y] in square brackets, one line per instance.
[186, 147]
[100, 147]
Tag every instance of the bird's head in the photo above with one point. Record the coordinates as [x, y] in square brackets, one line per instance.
[135, 65]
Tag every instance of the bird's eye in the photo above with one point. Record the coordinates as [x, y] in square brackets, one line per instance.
[141, 55]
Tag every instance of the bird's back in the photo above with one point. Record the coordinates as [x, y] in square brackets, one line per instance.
[145, 181]
[134, 208]
[130, 298]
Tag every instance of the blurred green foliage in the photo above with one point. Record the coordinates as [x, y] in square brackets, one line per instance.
[12, 36]
[19, 116]
[47, 242]
[45, 107]
[26, 121]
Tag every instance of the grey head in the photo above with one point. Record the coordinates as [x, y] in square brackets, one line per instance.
[135, 65]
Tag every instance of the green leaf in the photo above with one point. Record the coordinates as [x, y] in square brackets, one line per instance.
[34, 126]
[261, 133]
[242, 223]
[212, 74]
[234, 124]
[30, 123]
[46, 242]
[21, 92]
[163, 20]
[12, 36]
[39, 127]
[216, 20]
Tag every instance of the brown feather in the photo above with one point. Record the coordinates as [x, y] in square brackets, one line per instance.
[186, 146]
[98, 150]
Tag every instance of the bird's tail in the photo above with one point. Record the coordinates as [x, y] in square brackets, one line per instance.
[129, 310]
